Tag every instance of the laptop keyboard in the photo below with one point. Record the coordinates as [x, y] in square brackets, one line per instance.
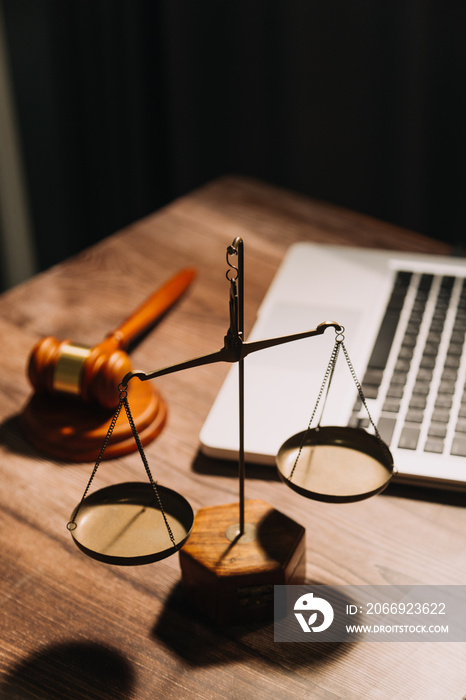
[415, 379]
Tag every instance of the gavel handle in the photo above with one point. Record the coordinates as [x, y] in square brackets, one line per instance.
[156, 305]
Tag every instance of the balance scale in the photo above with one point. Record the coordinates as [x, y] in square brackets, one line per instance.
[232, 555]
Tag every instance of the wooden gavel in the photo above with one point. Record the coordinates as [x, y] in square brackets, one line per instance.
[94, 373]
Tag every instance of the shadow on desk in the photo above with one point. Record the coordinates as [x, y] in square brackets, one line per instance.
[209, 466]
[74, 671]
[179, 625]
[432, 495]
[13, 439]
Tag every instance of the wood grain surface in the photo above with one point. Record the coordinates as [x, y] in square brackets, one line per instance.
[72, 627]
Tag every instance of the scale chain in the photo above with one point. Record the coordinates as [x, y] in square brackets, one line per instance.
[363, 401]
[146, 467]
[72, 524]
[327, 380]
[123, 402]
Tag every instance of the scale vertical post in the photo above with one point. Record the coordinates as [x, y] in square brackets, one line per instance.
[229, 568]
[241, 464]
[238, 245]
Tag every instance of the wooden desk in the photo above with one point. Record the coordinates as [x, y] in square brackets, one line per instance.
[72, 627]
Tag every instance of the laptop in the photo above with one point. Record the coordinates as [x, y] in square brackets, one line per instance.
[404, 319]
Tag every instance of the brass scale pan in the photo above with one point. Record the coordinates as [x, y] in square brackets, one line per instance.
[123, 523]
[335, 464]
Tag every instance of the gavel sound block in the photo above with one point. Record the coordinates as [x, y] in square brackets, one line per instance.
[76, 388]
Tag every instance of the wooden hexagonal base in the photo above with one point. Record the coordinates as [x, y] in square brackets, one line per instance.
[232, 581]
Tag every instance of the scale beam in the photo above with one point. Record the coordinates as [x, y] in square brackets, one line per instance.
[231, 352]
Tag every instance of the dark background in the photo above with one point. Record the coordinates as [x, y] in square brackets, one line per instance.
[126, 104]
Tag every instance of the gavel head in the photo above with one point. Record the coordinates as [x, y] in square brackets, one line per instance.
[91, 374]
